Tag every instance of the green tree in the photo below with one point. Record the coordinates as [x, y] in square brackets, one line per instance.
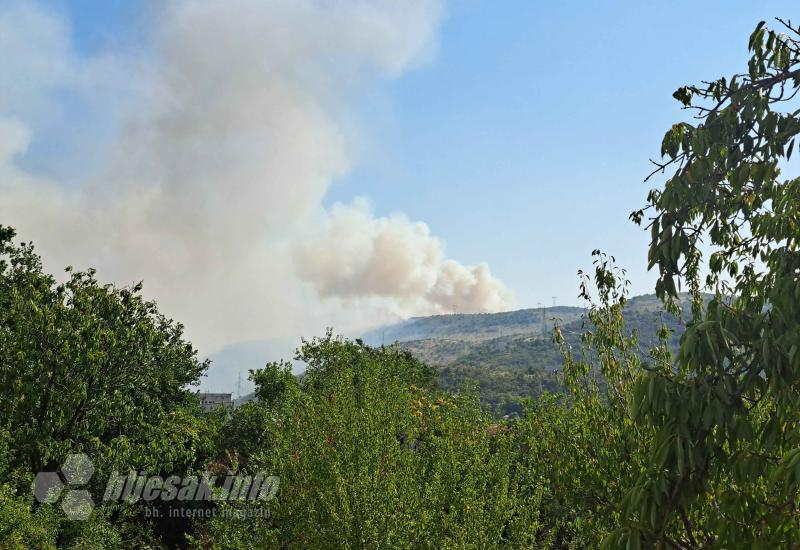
[22, 528]
[370, 456]
[584, 446]
[83, 366]
[92, 368]
[724, 466]
[249, 431]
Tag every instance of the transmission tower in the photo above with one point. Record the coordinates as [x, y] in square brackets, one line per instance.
[239, 386]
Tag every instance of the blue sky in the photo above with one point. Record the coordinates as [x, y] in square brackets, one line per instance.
[523, 140]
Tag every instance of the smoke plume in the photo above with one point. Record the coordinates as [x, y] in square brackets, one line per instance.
[198, 162]
[352, 255]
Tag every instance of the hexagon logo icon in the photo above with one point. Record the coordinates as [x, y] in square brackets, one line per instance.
[77, 470]
[47, 487]
[77, 504]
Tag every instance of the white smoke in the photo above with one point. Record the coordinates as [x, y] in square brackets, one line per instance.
[228, 130]
[353, 255]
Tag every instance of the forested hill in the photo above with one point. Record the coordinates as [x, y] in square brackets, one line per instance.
[442, 339]
[511, 354]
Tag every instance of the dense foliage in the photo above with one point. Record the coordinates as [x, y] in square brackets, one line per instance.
[511, 369]
[369, 455]
[724, 466]
[688, 441]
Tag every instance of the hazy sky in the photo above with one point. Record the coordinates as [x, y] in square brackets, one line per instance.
[510, 133]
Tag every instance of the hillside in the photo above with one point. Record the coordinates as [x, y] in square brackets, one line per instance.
[473, 327]
[511, 354]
